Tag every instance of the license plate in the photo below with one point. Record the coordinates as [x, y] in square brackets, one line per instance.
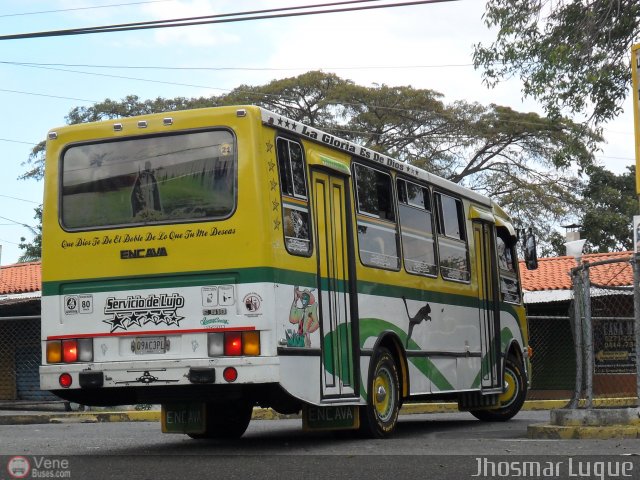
[330, 418]
[183, 418]
[149, 345]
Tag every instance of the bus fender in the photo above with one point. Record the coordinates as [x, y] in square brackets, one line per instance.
[392, 342]
[514, 349]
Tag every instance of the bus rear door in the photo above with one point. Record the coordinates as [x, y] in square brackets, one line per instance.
[336, 277]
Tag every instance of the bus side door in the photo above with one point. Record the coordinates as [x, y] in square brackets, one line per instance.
[488, 303]
[336, 283]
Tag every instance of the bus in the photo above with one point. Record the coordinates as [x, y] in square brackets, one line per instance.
[215, 260]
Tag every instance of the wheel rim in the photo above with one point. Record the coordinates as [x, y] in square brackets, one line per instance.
[512, 390]
[383, 395]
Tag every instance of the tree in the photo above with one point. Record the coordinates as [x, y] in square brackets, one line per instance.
[524, 161]
[33, 249]
[611, 204]
[572, 55]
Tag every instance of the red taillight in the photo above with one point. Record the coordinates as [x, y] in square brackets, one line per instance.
[230, 374]
[233, 343]
[65, 380]
[69, 351]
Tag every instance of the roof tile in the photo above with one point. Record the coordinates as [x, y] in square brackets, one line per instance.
[20, 278]
[553, 273]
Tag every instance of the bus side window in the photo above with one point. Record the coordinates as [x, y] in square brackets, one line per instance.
[452, 243]
[507, 257]
[416, 225]
[377, 229]
[295, 202]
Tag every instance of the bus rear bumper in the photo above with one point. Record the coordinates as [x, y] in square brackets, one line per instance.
[91, 381]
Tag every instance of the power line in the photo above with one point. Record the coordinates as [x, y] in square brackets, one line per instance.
[9, 241]
[110, 5]
[21, 199]
[46, 95]
[32, 229]
[258, 94]
[284, 12]
[123, 77]
[18, 141]
[242, 69]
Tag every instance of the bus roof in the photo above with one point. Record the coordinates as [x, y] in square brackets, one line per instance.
[309, 133]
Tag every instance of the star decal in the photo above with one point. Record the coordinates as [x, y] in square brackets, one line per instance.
[135, 319]
[294, 126]
[117, 322]
[286, 124]
[156, 317]
[280, 121]
[172, 319]
[269, 146]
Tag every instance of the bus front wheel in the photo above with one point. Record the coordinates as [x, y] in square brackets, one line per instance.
[226, 420]
[380, 416]
[512, 398]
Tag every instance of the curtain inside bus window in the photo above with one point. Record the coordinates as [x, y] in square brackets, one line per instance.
[418, 244]
[377, 230]
[295, 205]
[452, 245]
[145, 180]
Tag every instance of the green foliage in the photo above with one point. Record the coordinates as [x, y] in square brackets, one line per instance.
[33, 249]
[611, 203]
[571, 55]
[526, 162]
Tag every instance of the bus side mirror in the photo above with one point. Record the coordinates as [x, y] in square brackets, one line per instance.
[530, 251]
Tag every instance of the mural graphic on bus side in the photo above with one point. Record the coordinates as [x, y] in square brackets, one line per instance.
[304, 313]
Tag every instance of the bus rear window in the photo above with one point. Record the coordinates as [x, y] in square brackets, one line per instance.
[149, 180]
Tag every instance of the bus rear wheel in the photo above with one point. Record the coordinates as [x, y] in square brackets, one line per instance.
[380, 416]
[226, 420]
[512, 398]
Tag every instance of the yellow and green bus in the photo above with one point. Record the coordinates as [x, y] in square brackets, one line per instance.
[215, 260]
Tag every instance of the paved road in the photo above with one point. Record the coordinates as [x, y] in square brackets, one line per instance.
[423, 444]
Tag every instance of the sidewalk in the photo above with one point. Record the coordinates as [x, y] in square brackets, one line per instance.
[31, 413]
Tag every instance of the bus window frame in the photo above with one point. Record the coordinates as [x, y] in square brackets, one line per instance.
[510, 275]
[295, 195]
[305, 198]
[393, 204]
[173, 221]
[462, 224]
[433, 226]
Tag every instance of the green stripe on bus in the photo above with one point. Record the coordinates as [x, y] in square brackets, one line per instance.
[257, 275]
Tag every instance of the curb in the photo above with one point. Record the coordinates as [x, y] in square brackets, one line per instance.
[80, 417]
[572, 432]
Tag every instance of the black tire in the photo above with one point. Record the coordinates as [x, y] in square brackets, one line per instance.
[226, 420]
[379, 417]
[512, 399]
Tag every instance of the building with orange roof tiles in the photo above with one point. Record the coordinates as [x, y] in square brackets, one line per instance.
[551, 282]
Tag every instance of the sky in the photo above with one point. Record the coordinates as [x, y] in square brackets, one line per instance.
[424, 46]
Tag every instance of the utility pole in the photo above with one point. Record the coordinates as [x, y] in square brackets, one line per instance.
[635, 82]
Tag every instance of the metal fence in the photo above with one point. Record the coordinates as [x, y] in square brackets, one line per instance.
[553, 362]
[605, 329]
[20, 359]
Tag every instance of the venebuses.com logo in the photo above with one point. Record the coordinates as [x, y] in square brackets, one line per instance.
[38, 467]
[18, 467]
